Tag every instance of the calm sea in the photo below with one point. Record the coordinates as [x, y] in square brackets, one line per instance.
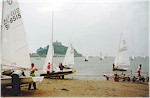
[95, 68]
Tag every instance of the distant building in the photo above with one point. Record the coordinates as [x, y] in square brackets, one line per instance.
[57, 43]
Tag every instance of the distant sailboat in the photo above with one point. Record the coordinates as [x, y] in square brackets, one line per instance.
[87, 58]
[143, 57]
[132, 57]
[14, 46]
[101, 56]
[122, 58]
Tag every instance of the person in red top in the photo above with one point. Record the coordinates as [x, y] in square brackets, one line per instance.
[48, 68]
[139, 70]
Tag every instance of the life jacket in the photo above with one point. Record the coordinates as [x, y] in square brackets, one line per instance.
[48, 67]
[33, 74]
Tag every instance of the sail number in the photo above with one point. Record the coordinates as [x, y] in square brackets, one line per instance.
[15, 15]
[12, 17]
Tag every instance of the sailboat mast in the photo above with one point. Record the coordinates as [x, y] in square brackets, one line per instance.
[1, 33]
[52, 41]
[52, 26]
[2, 17]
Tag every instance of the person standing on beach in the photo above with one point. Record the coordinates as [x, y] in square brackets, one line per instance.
[48, 68]
[32, 73]
[33, 69]
[139, 70]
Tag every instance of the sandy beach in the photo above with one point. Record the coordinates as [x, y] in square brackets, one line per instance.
[84, 88]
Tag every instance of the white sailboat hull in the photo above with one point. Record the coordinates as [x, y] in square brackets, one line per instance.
[23, 80]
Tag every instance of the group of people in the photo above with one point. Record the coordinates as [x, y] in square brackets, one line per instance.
[33, 69]
[15, 74]
[61, 67]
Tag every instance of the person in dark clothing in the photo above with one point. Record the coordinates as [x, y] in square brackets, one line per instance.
[61, 66]
[113, 67]
[16, 81]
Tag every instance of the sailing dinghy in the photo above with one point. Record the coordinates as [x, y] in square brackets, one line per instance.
[122, 58]
[14, 47]
[54, 70]
[101, 56]
[87, 58]
[132, 57]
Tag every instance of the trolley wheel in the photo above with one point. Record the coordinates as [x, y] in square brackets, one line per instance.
[128, 79]
[116, 79]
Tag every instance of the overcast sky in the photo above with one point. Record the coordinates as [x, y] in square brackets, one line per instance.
[92, 25]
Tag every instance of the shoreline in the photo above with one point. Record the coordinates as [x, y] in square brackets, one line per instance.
[84, 88]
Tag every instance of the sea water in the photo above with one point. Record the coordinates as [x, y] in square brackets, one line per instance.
[94, 69]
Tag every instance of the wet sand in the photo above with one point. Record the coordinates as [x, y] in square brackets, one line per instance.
[84, 88]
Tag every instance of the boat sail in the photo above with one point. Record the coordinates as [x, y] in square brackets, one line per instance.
[14, 49]
[54, 70]
[87, 58]
[101, 56]
[132, 57]
[69, 57]
[50, 54]
[122, 58]
[49, 57]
